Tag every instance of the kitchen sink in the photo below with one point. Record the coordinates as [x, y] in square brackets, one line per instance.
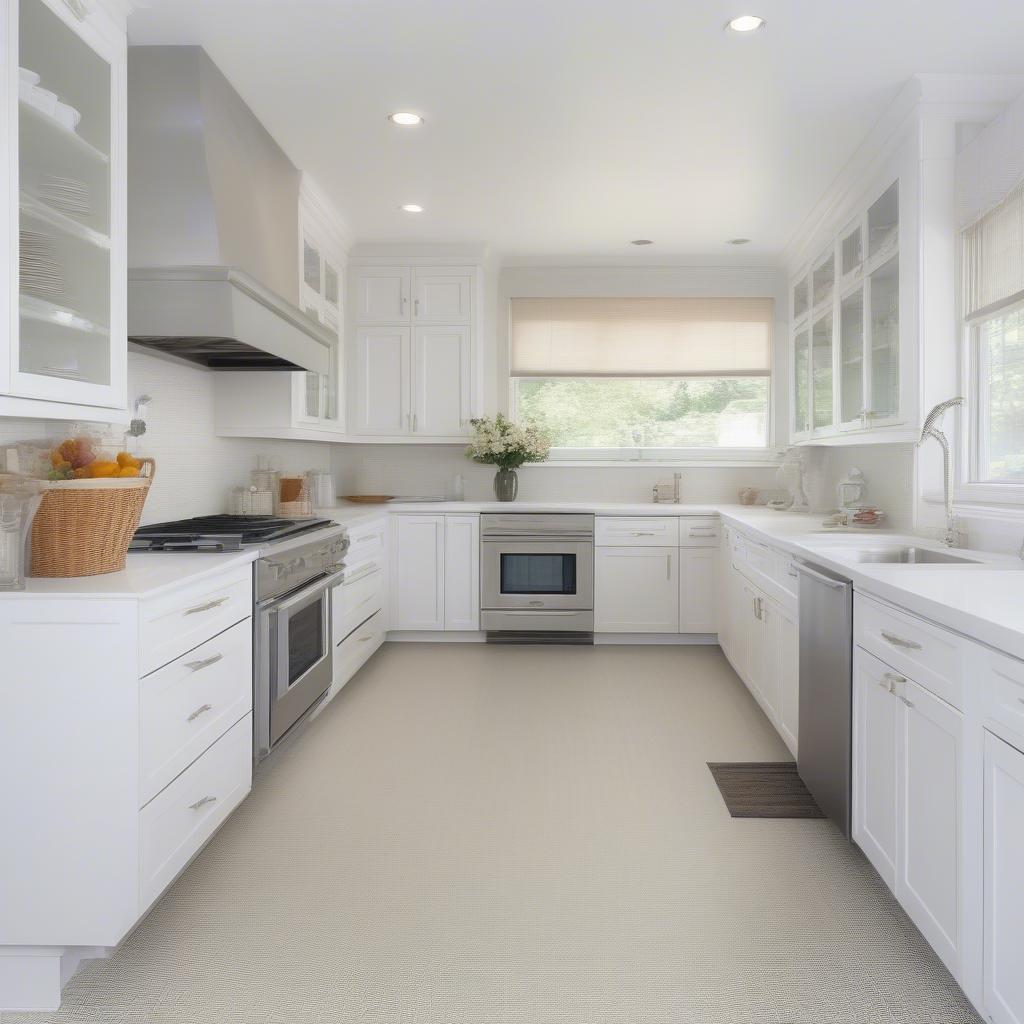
[913, 556]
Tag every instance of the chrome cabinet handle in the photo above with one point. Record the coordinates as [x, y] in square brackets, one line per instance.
[415, 427]
[898, 641]
[909, 703]
[205, 663]
[893, 678]
[363, 639]
[206, 607]
[199, 711]
[642, 533]
[792, 572]
[416, 306]
[668, 567]
[202, 803]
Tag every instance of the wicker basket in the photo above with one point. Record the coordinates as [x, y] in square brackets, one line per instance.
[84, 527]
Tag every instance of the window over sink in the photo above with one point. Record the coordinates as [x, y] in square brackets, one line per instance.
[629, 378]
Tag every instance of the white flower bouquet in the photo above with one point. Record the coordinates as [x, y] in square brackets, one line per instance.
[500, 442]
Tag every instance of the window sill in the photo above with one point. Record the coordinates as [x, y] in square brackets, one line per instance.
[698, 458]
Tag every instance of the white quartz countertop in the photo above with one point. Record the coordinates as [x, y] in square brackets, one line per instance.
[146, 574]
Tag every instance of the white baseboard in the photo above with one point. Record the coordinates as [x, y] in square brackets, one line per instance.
[431, 636]
[31, 977]
[671, 639]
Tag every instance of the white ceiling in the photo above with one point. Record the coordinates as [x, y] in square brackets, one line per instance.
[572, 126]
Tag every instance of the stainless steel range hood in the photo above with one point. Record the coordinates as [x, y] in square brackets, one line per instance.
[212, 223]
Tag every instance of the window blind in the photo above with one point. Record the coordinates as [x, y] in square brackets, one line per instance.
[640, 337]
[992, 263]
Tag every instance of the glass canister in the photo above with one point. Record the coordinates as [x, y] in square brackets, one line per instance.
[18, 504]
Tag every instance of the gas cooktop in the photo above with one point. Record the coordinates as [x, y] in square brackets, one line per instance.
[220, 533]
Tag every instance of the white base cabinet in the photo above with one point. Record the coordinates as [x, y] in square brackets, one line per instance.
[698, 590]
[1004, 888]
[636, 590]
[435, 574]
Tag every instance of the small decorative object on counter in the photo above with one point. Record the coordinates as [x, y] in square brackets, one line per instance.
[790, 475]
[295, 501]
[669, 494]
[91, 506]
[19, 500]
[748, 495]
[850, 491]
[507, 445]
[251, 501]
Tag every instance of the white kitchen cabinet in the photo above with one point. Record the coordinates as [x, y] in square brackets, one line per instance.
[442, 298]
[698, 590]
[381, 295]
[875, 710]
[462, 572]
[382, 380]
[785, 644]
[1004, 892]
[928, 882]
[441, 400]
[636, 589]
[751, 624]
[63, 352]
[417, 572]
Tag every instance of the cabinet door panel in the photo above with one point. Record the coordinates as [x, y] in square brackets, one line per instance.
[382, 380]
[698, 590]
[875, 714]
[788, 654]
[442, 298]
[1004, 893]
[930, 740]
[441, 380]
[636, 590]
[462, 572]
[382, 296]
[417, 572]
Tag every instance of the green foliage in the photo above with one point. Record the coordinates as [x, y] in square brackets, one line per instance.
[648, 412]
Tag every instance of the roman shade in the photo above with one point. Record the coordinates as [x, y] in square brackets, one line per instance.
[640, 337]
[992, 263]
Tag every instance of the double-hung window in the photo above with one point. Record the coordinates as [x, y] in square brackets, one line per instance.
[992, 264]
[628, 378]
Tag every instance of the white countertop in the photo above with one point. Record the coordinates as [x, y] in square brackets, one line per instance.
[146, 574]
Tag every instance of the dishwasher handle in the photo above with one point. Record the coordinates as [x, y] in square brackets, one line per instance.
[819, 577]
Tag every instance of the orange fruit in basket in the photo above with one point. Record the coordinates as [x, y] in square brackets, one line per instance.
[127, 460]
[103, 469]
[126, 471]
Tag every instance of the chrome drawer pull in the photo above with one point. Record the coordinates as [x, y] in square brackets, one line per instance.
[199, 711]
[893, 678]
[363, 639]
[207, 607]
[898, 641]
[909, 703]
[640, 533]
[205, 663]
[202, 803]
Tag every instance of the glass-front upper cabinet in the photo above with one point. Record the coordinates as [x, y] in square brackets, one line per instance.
[801, 384]
[68, 285]
[884, 363]
[851, 360]
[821, 373]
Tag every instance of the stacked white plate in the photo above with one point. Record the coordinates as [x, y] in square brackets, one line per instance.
[41, 271]
[65, 194]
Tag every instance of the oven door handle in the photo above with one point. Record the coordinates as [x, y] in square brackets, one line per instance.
[321, 583]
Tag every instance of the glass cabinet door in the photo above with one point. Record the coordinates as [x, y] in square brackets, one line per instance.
[851, 359]
[801, 297]
[823, 280]
[801, 374]
[884, 376]
[884, 222]
[67, 324]
[821, 372]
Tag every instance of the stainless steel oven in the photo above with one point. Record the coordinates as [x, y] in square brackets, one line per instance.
[537, 575]
[293, 633]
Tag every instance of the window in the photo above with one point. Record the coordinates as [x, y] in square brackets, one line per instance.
[993, 301]
[630, 376]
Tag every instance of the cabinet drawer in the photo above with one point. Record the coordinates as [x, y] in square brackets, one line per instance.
[930, 655]
[354, 601]
[698, 533]
[647, 531]
[367, 540]
[178, 622]
[1002, 685]
[188, 704]
[350, 654]
[174, 826]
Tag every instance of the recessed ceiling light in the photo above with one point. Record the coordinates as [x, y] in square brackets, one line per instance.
[405, 119]
[412, 208]
[642, 241]
[737, 241]
[745, 23]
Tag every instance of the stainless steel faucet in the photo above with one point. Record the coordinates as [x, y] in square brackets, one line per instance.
[951, 538]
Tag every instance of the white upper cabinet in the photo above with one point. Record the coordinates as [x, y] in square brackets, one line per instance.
[381, 296]
[442, 298]
[414, 352]
[63, 351]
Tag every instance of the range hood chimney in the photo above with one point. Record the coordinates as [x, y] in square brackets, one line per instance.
[213, 228]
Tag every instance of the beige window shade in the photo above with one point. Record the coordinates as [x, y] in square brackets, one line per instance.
[641, 337]
[992, 261]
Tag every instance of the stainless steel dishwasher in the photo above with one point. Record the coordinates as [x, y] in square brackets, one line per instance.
[826, 690]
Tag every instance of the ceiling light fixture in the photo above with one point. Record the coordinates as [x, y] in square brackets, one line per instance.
[642, 241]
[412, 208]
[737, 241]
[745, 23]
[405, 119]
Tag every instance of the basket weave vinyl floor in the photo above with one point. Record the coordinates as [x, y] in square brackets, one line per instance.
[521, 835]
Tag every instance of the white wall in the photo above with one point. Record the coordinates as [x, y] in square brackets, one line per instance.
[195, 469]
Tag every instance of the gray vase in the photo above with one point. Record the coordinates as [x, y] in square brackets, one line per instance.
[506, 485]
